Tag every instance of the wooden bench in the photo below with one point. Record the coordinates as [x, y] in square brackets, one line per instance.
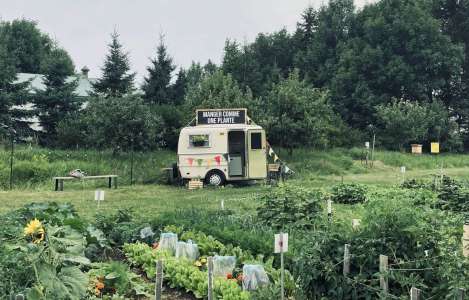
[59, 181]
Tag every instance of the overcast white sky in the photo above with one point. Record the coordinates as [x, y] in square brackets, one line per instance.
[194, 30]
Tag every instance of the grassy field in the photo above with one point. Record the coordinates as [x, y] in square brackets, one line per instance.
[150, 196]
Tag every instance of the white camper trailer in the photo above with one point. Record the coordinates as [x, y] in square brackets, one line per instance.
[224, 145]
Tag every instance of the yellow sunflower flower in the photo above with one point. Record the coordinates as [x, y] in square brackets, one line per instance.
[35, 230]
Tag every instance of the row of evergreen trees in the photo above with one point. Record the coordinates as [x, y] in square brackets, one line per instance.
[341, 75]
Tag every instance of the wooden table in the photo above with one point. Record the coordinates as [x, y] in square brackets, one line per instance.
[59, 181]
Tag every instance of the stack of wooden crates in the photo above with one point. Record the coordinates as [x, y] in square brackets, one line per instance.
[195, 184]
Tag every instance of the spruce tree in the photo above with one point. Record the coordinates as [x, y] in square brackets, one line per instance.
[58, 101]
[11, 94]
[117, 80]
[156, 85]
[179, 87]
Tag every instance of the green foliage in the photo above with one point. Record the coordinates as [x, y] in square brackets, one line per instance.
[182, 273]
[28, 47]
[57, 101]
[156, 86]
[395, 49]
[290, 206]
[116, 80]
[218, 90]
[119, 123]
[118, 280]
[349, 193]
[453, 196]
[391, 226]
[298, 115]
[404, 122]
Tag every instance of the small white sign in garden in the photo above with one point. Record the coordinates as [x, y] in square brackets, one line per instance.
[99, 196]
[281, 243]
[281, 246]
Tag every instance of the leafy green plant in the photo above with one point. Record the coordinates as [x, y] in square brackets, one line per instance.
[290, 206]
[349, 193]
[182, 273]
[115, 278]
[453, 196]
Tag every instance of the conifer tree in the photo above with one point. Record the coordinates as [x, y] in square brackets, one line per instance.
[11, 94]
[117, 80]
[157, 85]
[179, 87]
[58, 100]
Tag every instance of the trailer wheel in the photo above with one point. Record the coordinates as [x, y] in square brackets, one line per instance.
[215, 178]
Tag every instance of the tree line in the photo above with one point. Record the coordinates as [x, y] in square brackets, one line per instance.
[397, 68]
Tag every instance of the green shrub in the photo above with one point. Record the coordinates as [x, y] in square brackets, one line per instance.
[453, 195]
[290, 206]
[349, 193]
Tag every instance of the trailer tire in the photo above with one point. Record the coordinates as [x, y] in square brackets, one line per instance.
[215, 178]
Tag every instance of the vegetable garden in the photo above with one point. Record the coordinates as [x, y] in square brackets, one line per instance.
[49, 252]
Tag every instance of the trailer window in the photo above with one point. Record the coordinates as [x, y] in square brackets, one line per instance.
[199, 140]
[256, 140]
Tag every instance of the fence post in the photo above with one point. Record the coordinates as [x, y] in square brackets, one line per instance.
[414, 294]
[383, 269]
[159, 280]
[346, 269]
[210, 277]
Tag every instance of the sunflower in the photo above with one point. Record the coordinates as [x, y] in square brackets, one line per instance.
[35, 231]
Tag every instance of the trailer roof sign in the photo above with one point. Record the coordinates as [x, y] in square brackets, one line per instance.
[221, 116]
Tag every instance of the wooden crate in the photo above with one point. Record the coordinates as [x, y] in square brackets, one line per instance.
[195, 184]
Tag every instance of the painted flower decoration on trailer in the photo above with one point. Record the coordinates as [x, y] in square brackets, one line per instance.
[35, 231]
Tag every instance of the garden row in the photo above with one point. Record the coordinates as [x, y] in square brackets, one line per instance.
[48, 252]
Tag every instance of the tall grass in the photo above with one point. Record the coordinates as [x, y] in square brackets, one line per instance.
[36, 166]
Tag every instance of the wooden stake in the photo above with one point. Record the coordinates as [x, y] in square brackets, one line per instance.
[210, 277]
[465, 241]
[346, 269]
[383, 269]
[159, 280]
[414, 293]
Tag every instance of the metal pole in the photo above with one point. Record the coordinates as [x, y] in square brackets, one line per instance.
[282, 276]
[132, 164]
[11, 159]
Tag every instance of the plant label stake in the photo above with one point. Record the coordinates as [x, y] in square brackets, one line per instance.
[403, 173]
[281, 246]
[346, 269]
[210, 277]
[99, 196]
[329, 210]
[355, 223]
[414, 293]
[383, 269]
[465, 241]
[159, 280]
[222, 204]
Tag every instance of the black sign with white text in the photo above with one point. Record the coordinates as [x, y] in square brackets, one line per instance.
[221, 116]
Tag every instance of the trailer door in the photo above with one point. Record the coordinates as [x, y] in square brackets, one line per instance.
[257, 161]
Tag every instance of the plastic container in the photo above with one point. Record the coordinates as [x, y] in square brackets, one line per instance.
[168, 241]
[223, 265]
[254, 277]
[187, 250]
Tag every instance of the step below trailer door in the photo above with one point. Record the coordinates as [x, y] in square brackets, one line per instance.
[257, 161]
